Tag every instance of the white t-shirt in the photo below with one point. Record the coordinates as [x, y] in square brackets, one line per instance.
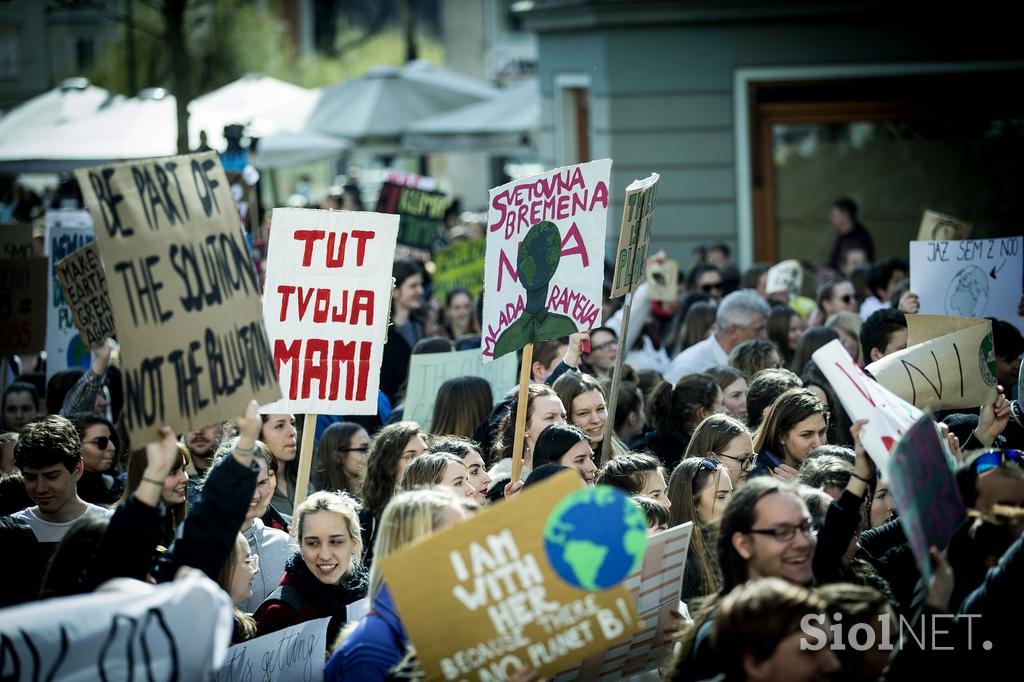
[54, 532]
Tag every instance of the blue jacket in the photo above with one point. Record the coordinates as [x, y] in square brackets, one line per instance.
[375, 646]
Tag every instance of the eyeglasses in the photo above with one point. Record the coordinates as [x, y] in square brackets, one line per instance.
[786, 531]
[708, 288]
[363, 449]
[746, 462]
[602, 346]
[253, 561]
[100, 441]
[993, 459]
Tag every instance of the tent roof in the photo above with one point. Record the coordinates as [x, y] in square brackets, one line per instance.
[72, 100]
[288, 148]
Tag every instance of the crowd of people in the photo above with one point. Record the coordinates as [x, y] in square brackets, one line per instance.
[722, 420]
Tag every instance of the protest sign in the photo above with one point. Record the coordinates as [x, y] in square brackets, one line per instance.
[889, 417]
[22, 305]
[295, 654]
[16, 241]
[175, 631]
[460, 264]
[534, 581]
[949, 363]
[325, 307]
[183, 290]
[971, 278]
[421, 212]
[67, 230]
[920, 479]
[939, 226]
[84, 284]
[428, 371]
[785, 276]
[545, 257]
[662, 280]
[656, 589]
[634, 235]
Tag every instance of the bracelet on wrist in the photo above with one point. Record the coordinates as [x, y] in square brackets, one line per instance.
[153, 481]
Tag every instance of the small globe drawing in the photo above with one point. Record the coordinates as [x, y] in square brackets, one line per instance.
[78, 354]
[967, 293]
[595, 537]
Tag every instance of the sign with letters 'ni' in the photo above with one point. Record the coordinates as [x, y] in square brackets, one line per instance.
[969, 278]
[184, 292]
[534, 581]
[634, 235]
[67, 230]
[325, 306]
[889, 416]
[544, 267]
[84, 284]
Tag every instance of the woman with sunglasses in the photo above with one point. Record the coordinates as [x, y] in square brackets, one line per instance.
[834, 297]
[340, 462]
[699, 490]
[727, 440]
[99, 450]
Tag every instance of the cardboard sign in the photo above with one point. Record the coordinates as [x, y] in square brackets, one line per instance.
[655, 589]
[22, 305]
[428, 371]
[460, 264]
[545, 257]
[949, 363]
[67, 230]
[920, 480]
[16, 241]
[84, 284]
[787, 275]
[295, 654]
[941, 227]
[973, 278]
[634, 235]
[421, 212]
[889, 417]
[175, 631]
[663, 280]
[500, 590]
[183, 290]
[325, 306]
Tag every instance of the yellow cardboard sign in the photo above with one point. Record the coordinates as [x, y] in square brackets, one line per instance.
[84, 283]
[487, 597]
[662, 280]
[937, 226]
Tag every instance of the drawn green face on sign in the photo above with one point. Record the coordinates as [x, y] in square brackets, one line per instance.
[538, 255]
[987, 360]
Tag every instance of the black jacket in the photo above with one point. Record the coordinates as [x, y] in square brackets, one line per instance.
[669, 446]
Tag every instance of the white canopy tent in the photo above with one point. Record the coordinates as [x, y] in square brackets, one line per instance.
[74, 99]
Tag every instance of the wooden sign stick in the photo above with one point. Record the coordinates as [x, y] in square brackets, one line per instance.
[520, 429]
[613, 393]
[305, 460]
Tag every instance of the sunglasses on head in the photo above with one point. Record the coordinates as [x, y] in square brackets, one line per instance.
[993, 459]
[101, 441]
[848, 298]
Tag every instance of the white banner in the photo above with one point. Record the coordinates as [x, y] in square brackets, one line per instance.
[295, 654]
[428, 371]
[889, 417]
[67, 230]
[325, 307]
[544, 267]
[175, 631]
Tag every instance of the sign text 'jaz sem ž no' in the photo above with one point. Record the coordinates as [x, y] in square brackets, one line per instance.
[545, 257]
[183, 290]
[325, 307]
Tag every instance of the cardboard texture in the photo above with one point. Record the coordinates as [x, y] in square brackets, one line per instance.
[183, 290]
[939, 226]
[16, 241]
[949, 363]
[634, 236]
[971, 278]
[294, 654]
[325, 307]
[84, 284]
[22, 305]
[787, 275]
[656, 588]
[889, 416]
[497, 599]
[421, 212]
[662, 281]
[429, 370]
[67, 230]
[920, 480]
[460, 264]
[545, 257]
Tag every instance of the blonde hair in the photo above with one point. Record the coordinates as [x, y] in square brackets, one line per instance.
[409, 516]
[850, 322]
[428, 469]
[340, 503]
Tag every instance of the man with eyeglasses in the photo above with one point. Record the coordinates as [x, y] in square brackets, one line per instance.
[742, 316]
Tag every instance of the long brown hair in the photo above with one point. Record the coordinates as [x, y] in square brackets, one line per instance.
[685, 485]
[137, 463]
[570, 386]
[461, 405]
[382, 462]
[676, 408]
[714, 435]
[245, 625]
[329, 467]
[788, 410]
[505, 432]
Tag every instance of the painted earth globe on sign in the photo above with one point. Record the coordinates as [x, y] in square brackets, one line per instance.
[967, 294]
[595, 537]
